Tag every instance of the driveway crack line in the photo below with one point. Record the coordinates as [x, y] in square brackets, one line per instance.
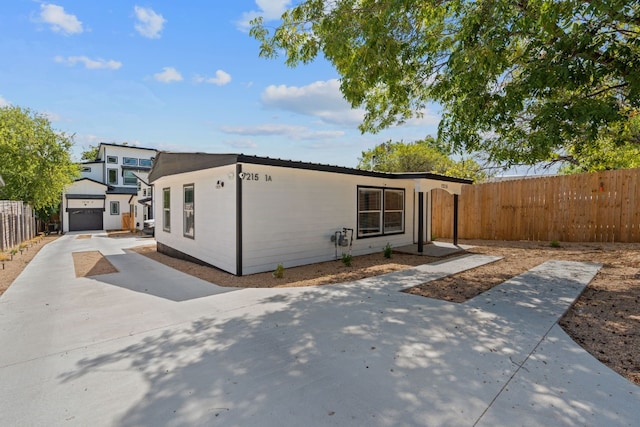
[520, 366]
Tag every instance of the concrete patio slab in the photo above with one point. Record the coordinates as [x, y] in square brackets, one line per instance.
[433, 249]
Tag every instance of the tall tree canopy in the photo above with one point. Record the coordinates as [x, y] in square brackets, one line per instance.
[618, 147]
[522, 80]
[35, 160]
[90, 153]
[418, 156]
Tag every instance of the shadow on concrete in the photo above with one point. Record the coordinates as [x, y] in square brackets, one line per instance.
[140, 274]
[333, 355]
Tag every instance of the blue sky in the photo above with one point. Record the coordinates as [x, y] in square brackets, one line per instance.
[179, 76]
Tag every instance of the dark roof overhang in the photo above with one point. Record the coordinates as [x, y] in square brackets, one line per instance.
[168, 163]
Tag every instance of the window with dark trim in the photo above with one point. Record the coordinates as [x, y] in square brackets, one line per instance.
[166, 209]
[189, 212]
[129, 178]
[112, 176]
[114, 208]
[130, 161]
[380, 211]
[112, 159]
[86, 169]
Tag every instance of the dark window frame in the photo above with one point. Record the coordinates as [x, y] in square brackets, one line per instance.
[185, 211]
[130, 177]
[147, 162]
[112, 159]
[166, 209]
[383, 211]
[130, 161]
[115, 171]
[115, 203]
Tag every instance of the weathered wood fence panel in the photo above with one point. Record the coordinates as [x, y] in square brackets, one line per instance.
[17, 224]
[595, 207]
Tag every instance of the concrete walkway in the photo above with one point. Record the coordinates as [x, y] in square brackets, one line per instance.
[150, 346]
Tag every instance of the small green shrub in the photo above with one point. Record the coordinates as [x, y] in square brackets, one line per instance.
[434, 237]
[554, 244]
[279, 273]
[387, 251]
[347, 259]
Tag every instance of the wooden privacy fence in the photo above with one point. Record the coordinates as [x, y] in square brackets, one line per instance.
[17, 224]
[593, 207]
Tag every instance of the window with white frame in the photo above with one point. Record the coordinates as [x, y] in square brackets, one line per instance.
[393, 211]
[369, 211]
[189, 212]
[112, 159]
[112, 176]
[166, 209]
[380, 211]
[130, 161]
[114, 208]
[145, 162]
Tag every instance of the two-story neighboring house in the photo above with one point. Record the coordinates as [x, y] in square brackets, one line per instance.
[113, 191]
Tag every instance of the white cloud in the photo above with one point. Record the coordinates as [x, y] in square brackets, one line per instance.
[269, 9]
[52, 117]
[60, 21]
[291, 131]
[263, 130]
[150, 23]
[4, 102]
[321, 99]
[243, 143]
[221, 78]
[428, 118]
[91, 64]
[168, 75]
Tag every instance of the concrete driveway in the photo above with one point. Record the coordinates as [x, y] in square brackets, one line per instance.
[150, 346]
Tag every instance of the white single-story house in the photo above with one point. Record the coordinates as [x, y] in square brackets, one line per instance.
[247, 214]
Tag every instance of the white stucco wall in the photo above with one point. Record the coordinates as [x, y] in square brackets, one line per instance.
[114, 222]
[214, 241]
[93, 171]
[291, 218]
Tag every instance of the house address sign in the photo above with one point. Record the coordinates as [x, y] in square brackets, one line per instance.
[251, 176]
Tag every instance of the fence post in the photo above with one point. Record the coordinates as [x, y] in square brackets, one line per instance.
[455, 219]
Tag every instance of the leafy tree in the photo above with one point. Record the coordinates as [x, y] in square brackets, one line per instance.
[618, 147]
[35, 160]
[90, 153]
[419, 156]
[522, 80]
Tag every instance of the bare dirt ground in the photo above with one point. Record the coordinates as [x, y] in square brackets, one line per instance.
[605, 320]
[10, 269]
[91, 263]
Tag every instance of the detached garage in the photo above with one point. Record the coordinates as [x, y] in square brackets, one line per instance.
[85, 219]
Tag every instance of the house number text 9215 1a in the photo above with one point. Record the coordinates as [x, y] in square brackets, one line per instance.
[250, 176]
